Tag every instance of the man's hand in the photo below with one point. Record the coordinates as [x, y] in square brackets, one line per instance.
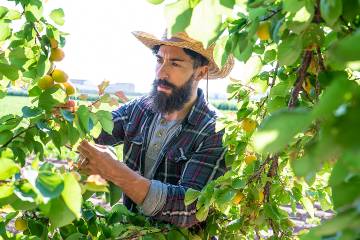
[98, 159]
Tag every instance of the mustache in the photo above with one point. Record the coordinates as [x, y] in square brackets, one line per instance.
[164, 82]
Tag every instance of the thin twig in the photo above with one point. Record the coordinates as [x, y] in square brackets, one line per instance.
[261, 169]
[17, 135]
[271, 173]
[300, 79]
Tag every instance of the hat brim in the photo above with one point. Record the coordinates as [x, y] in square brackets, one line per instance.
[214, 71]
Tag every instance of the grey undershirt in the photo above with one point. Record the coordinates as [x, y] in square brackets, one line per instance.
[160, 132]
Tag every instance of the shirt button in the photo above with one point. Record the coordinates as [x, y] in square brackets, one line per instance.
[159, 134]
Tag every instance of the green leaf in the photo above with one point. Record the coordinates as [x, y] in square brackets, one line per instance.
[83, 115]
[93, 187]
[335, 224]
[9, 71]
[278, 130]
[175, 235]
[47, 101]
[308, 205]
[68, 116]
[8, 168]
[224, 196]
[5, 31]
[73, 135]
[333, 96]
[6, 191]
[115, 193]
[72, 194]
[289, 50]
[330, 10]
[5, 136]
[178, 16]
[346, 192]
[220, 53]
[238, 183]
[57, 15]
[347, 49]
[59, 214]
[30, 112]
[49, 184]
[228, 3]
[13, 15]
[292, 6]
[3, 11]
[205, 33]
[190, 196]
[202, 213]
[105, 119]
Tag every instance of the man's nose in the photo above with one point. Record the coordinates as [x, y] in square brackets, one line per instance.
[162, 71]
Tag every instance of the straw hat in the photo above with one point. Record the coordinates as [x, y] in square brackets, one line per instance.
[182, 40]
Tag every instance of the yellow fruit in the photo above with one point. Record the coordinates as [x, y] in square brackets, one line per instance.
[45, 82]
[53, 43]
[155, 1]
[261, 196]
[20, 224]
[307, 85]
[238, 197]
[56, 55]
[69, 88]
[249, 159]
[313, 66]
[59, 76]
[263, 31]
[248, 125]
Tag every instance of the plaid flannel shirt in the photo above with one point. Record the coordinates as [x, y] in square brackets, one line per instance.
[192, 158]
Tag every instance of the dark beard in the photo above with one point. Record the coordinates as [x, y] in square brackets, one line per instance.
[163, 103]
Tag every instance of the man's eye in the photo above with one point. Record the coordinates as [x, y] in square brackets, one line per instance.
[175, 64]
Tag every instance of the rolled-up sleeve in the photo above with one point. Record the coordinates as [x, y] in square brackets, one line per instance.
[207, 163]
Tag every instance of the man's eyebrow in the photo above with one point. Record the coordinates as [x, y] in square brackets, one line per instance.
[172, 59]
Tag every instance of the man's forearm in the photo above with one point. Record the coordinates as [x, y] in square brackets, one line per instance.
[131, 183]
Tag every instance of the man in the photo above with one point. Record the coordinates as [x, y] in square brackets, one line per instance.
[169, 137]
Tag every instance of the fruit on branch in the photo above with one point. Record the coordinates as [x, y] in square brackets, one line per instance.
[250, 159]
[238, 198]
[45, 82]
[21, 224]
[248, 125]
[56, 55]
[263, 31]
[261, 196]
[53, 43]
[59, 76]
[307, 85]
[69, 88]
[313, 68]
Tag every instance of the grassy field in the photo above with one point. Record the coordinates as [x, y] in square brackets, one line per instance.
[13, 104]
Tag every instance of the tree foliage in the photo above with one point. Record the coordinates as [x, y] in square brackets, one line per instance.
[294, 139]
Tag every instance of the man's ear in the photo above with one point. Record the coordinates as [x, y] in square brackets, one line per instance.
[201, 72]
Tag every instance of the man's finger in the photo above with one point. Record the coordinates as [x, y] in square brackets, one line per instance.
[84, 151]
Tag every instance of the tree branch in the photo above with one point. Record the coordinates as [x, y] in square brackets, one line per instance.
[300, 79]
[17, 135]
